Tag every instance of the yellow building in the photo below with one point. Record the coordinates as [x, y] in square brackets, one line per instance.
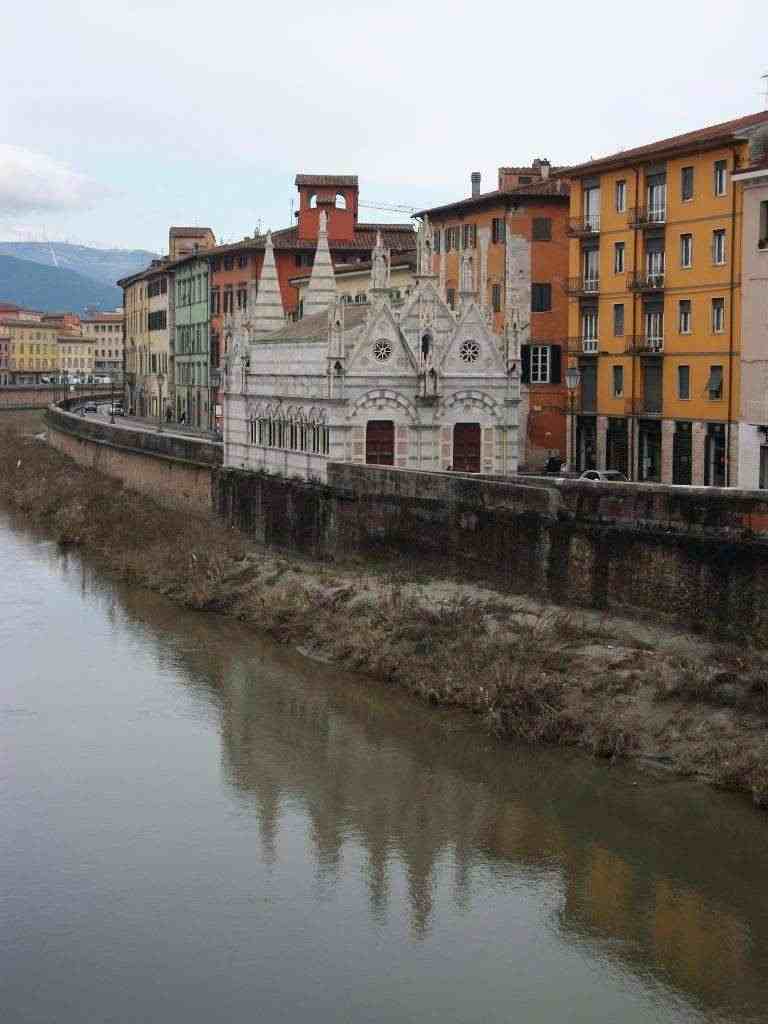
[148, 356]
[654, 307]
[30, 351]
[76, 356]
[105, 330]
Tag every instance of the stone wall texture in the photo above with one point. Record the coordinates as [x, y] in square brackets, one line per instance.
[694, 556]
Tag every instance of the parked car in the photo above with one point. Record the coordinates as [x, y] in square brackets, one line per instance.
[117, 410]
[90, 407]
[610, 476]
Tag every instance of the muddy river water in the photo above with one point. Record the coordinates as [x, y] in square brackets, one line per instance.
[198, 825]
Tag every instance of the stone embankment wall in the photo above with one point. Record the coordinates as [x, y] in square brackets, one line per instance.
[174, 470]
[40, 396]
[684, 555]
[696, 556]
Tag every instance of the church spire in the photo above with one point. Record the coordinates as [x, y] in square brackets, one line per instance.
[321, 291]
[380, 267]
[267, 309]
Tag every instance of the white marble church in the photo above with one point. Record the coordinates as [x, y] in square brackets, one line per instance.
[411, 384]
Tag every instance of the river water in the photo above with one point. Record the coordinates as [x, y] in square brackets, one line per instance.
[198, 825]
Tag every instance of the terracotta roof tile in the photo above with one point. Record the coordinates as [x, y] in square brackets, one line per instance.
[699, 139]
[547, 188]
[324, 180]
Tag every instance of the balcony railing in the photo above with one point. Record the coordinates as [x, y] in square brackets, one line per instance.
[580, 346]
[645, 344]
[583, 285]
[647, 216]
[584, 227]
[650, 281]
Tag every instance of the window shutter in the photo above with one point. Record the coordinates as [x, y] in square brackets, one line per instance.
[525, 364]
[555, 360]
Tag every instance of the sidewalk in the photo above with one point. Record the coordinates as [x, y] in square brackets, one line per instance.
[144, 423]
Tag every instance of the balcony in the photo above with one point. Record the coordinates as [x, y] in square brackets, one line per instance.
[583, 346]
[645, 345]
[583, 285]
[584, 227]
[647, 216]
[651, 281]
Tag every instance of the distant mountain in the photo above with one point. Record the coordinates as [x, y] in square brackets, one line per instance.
[53, 289]
[104, 265]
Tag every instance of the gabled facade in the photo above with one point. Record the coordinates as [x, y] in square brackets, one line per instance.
[512, 243]
[409, 383]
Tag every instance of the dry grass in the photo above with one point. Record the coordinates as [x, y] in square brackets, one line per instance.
[534, 674]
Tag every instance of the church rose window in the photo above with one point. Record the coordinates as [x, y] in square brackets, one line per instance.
[469, 351]
[382, 350]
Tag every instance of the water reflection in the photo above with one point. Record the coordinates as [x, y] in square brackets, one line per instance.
[664, 879]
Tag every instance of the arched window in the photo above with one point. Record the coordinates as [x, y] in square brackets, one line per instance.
[313, 201]
[426, 345]
[341, 201]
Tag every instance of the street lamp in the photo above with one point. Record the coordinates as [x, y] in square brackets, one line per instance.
[160, 382]
[111, 396]
[572, 381]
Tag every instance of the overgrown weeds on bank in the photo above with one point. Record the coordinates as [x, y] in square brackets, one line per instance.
[533, 674]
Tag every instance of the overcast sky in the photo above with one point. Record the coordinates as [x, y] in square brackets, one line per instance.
[119, 119]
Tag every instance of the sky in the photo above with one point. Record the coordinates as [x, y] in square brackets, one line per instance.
[119, 119]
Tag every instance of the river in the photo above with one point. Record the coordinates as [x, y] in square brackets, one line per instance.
[199, 825]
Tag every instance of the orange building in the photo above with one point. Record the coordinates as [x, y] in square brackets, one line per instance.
[514, 241]
[655, 306]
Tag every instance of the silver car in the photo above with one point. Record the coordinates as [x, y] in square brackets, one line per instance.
[611, 476]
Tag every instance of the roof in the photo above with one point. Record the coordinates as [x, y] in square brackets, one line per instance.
[315, 328]
[548, 188]
[394, 236]
[702, 138]
[324, 180]
[405, 259]
[181, 232]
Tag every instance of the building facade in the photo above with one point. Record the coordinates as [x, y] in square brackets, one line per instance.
[29, 350]
[753, 431]
[654, 292]
[408, 382]
[148, 362]
[235, 268]
[194, 391]
[105, 331]
[353, 282]
[515, 241]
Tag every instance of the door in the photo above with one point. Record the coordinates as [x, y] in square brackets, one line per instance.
[617, 446]
[380, 442]
[714, 456]
[466, 448]
[682, 454]
[649, 451]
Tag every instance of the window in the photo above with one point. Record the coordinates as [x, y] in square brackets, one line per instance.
[242, 261]
[686, 183]
[498, 230]
[762, 236]
[591, 206]
[684, 382]
[618, 381]
[215, 302]
[469, 236]
[718, 315]
[589, 327]
[686, 250]
[228, 304]
[436, 235]
[618, 257]
[539, 364]
[450, 297]
[718, 247]
[720, 177]
[656, 193]
[157, 321]
[304, 259]
[621, 196]
[618, 320]
[542, 229]
[242, 296]
[229, 262]
[541, 298]
[496, 298]
[684, 316]
[715, 384]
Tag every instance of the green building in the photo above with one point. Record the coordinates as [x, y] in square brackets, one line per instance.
[195, 394]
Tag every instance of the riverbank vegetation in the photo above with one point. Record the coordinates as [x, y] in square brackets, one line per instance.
[531, 672]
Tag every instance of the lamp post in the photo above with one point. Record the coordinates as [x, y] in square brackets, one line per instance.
[572, 381]
[111, 396]
[160, 382]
